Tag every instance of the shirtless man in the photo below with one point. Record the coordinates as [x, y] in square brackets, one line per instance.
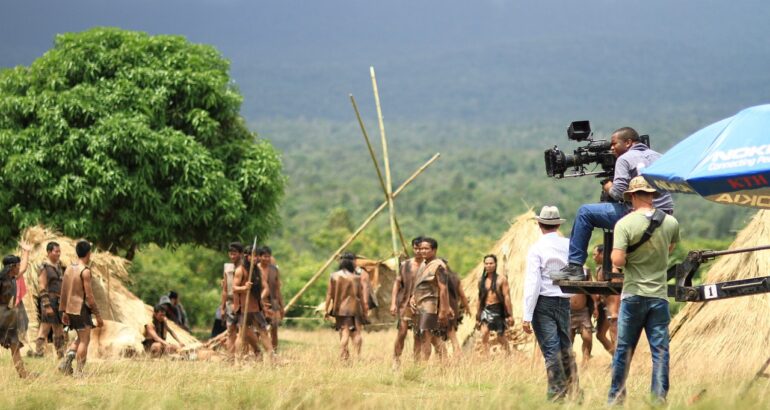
[458, 302]
[49, 279]
[399, 302]
[494, 309]
[580, 321]
[600, 307]
[430, 298]
[272, 300]
[77, 304]
[612, 307]
[235, 254]
[255, 318]
[13, 266]
[155, 335]
[348, 302]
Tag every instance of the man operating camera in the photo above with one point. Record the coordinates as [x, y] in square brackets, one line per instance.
[632, 156]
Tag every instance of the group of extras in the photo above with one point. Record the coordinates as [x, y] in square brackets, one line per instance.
[428, 299]
[426, 296]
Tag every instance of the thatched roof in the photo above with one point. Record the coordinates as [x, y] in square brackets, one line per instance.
[511, 251]
[124, 313]
[728, 334]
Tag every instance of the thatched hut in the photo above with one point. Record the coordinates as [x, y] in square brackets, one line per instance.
[710, 338]
[511, 250]
[125, 314]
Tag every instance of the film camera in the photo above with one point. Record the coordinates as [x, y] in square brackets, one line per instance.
[598, 152]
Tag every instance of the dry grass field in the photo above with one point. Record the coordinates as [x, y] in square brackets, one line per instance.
[310, 376]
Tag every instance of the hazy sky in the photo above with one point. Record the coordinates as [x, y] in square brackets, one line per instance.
[481, 54]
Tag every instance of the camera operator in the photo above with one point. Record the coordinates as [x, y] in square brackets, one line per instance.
[632, 156]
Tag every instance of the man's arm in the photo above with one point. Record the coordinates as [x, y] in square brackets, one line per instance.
[25, 248]
[507, 299]
[621, 178]
[90, 300]
[531, 289]
[238, 277]
[329, 299]
[444, 310]
[394, 292]
[42, 280]
[150, 329]
[365, 291]
[170, 330]
[224, 291]
[618, 258]
[279, 296]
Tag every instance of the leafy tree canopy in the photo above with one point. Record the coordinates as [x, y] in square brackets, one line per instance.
[127, 138]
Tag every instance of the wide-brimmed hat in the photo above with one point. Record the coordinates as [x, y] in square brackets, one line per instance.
[549, 215]
[639, 184]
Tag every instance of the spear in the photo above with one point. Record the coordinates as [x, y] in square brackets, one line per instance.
[245, 307]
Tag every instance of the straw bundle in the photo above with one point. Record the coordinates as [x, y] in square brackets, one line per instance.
[511, 251]
[712, 337]
[125, 314]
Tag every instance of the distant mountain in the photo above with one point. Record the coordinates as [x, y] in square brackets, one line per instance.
[487, 61]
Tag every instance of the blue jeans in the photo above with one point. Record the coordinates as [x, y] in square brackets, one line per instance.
[550, 322]
[652, 315]
[589, 216]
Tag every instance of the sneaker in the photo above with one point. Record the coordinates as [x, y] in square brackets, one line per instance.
[570, 272]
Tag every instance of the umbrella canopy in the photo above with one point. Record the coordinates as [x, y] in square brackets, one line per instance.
[727, 162]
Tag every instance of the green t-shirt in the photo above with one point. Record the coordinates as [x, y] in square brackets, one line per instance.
[645, 270]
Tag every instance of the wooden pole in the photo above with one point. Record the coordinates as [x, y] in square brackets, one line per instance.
[245, 307]
[389, 186]
[358, 231]
[377, 168]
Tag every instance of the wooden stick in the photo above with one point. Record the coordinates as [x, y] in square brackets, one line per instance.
[389, 186]
[245, 308]
[358, 231]
[377, 168]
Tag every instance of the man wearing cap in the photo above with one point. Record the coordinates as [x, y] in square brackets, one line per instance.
[643, 260]
[633, 156]
[546, 307]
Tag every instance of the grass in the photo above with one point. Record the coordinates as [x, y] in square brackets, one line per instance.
[310, 376]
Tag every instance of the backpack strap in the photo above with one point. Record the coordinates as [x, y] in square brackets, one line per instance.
[657, 219]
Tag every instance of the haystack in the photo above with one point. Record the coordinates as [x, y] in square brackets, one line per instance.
[711, 338]
[511, 251]
[125, 314]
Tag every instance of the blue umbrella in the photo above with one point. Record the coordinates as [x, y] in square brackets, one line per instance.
[727, 162]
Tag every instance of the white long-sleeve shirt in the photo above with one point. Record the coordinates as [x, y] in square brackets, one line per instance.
[548, 254]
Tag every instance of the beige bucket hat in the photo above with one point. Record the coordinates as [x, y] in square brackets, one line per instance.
[639, 184]
[549, 215]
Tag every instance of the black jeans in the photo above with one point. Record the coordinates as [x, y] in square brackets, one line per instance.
[550, 322]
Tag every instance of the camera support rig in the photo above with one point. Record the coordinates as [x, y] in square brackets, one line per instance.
[682, 274]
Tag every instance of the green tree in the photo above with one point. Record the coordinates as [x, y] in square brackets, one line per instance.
[127, 138]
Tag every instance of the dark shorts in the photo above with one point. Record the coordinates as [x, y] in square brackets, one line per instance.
[54, 319]
[349, 322]
[82, 321]
[253, 319]
[494, 317]
[602, 314]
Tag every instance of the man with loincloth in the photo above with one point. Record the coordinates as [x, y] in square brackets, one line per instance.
[255, 318]
[603, 325]
[77, 304]
[430, 298]
[49, 280]
[235, 254]
[13, 266]
[399, 301]
[581, 307]
[272, 300]
[155, 335]
[347, 302]
[494, 311]
[458, 302]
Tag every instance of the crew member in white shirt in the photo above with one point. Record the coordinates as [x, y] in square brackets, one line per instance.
[546, 307]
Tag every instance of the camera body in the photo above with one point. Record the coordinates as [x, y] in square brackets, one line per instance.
[599, 152]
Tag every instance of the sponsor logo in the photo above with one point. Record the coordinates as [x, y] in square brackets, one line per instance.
[759, 201]
[673, 187]
[738, 157]
[747, 182]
